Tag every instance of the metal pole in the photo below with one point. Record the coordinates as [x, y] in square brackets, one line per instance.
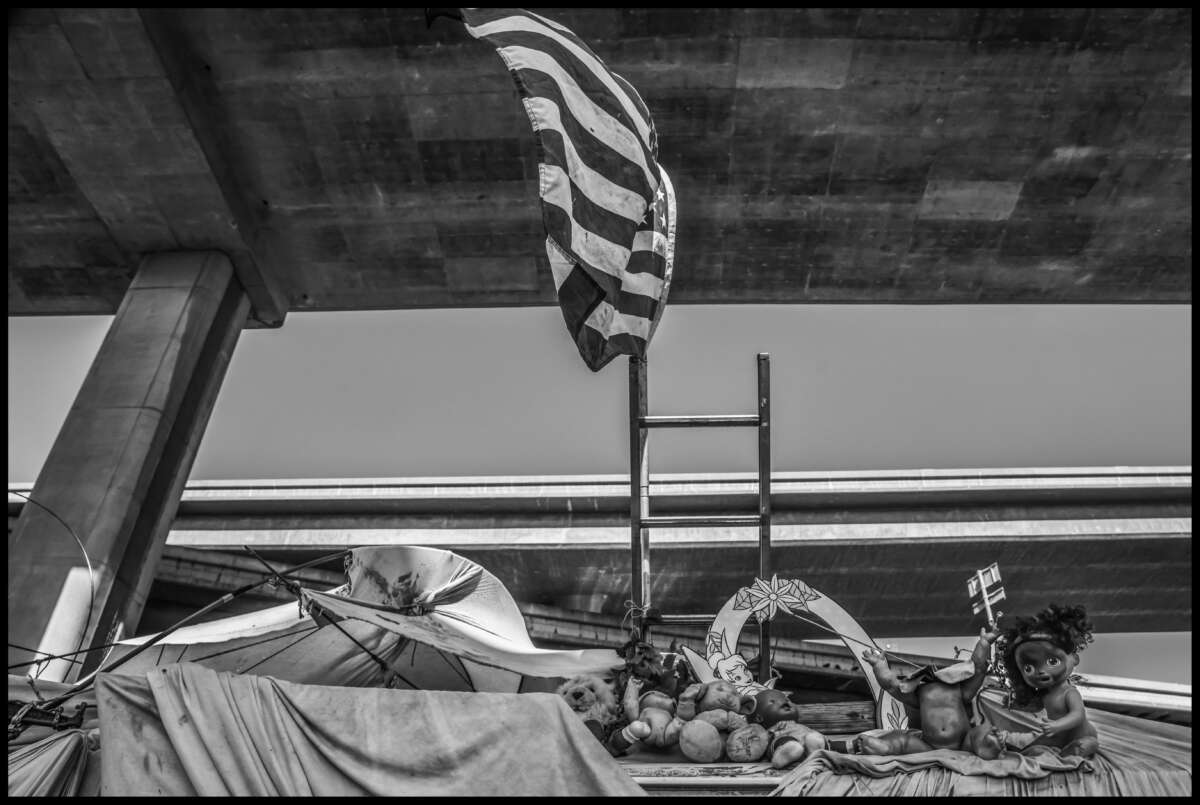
[764, 504]
[639, 492]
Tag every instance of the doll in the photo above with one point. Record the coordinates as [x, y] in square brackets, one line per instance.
[1037, 656]
[945, 699]
[788, 739]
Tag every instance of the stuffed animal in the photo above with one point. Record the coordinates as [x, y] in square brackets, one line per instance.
[668, 672]
[789, 740]
[595, 701]
[712, 712]
[715, 695]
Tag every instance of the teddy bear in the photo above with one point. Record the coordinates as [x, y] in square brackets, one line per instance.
[594, 699]
[711, 714]
[788, 739]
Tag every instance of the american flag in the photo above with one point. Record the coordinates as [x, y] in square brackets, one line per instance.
[607, 205]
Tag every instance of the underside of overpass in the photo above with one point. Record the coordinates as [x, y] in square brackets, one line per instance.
[350, 159]
[199, 171]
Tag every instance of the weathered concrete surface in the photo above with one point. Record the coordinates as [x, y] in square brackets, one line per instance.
[364, 160]
[120, 461]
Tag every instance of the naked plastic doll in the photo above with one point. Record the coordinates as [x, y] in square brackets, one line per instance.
[944, 699]
[788, 740]
[1038, 655]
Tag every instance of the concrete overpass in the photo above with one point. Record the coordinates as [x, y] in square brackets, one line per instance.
[199, 171]
[894, 548]
[356, 158]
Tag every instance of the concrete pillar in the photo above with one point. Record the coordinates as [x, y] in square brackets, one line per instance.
[119, 464]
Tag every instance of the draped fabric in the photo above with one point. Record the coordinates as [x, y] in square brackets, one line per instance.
[1137, 757]
[52, 767]
[185, 730]
[44, 762]
[608, 207]
[435, 621]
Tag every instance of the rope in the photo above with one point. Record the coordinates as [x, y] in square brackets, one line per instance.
[636, 612]
[49, 657]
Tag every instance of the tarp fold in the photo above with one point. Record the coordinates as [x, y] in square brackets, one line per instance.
[187, 730]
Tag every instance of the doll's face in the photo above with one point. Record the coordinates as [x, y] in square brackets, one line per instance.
[1044, 665]
[774, 706]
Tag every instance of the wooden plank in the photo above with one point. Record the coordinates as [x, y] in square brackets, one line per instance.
[838, 717]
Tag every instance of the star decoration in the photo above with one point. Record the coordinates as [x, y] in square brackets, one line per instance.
[766, 599]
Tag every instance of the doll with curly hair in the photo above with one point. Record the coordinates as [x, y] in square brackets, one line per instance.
[1037, 656]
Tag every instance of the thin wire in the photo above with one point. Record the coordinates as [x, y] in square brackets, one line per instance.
[855, 640]
[455, 668]
[49, 657]
[248, 645]
[275, 654]
[368, 651]
[86, 559]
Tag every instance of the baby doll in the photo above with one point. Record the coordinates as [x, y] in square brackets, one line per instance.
[945, 699]
[1038, 655]
[790, 740]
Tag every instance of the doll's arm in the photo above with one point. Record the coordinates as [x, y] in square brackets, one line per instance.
[887, 677]
[981, 657]
[630, 706]
[1074, 718]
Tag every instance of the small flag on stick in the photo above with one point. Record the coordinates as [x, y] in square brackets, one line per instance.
[979, 584]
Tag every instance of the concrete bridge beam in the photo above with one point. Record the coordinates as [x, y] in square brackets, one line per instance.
[119, 464]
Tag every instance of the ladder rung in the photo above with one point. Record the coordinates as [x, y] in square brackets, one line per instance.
[700, 520]
[686, 619]
[708, 421]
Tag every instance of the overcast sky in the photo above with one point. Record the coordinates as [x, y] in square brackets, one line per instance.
[503, 392]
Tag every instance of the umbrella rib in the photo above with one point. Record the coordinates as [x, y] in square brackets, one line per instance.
[275, 654]
[461, 673]
[250, 645]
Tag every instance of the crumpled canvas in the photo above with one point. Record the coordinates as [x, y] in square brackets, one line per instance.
[51, 767]
[1137, 757]
[44, 762]
[187, 730]
[436, 620]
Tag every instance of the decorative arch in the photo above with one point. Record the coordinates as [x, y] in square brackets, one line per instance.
[764, 600]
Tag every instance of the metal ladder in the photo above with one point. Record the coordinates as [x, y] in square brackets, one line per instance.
[641, 521]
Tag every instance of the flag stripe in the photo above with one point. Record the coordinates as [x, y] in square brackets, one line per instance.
[607, 205]
[481, 17]
[557, 188]
[545, 77]
[594, 152]
[595, 251]
[560, 150]
[628, 113]
[497, 30]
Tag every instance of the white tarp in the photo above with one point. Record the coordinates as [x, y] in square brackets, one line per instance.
[470, 634]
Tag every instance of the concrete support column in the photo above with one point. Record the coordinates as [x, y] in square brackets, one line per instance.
[118, 467]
